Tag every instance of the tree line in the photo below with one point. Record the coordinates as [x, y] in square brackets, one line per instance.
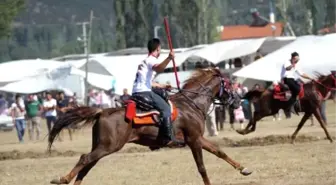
[46, 29]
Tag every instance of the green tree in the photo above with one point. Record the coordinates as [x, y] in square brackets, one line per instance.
[8, 11]
[330, 18]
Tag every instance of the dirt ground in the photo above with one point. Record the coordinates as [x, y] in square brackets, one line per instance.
[267, 152]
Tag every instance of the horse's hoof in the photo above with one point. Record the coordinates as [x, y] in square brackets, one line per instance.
[57, 181]
[245, 172]
[331, 141]
[241, 132]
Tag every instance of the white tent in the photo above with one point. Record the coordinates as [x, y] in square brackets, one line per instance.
[224, 50]
[17, 70]
[170, 77]
[64, 77]
[316, 55]
[181, 57]
[124, 67]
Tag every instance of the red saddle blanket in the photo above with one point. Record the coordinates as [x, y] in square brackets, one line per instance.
[138, 117]
[282, 92]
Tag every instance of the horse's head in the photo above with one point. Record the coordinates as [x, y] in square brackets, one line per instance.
[328, 81]
[332, 78]
[212, 83]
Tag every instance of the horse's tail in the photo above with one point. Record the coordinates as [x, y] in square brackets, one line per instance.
[77, 117]
[253, 94]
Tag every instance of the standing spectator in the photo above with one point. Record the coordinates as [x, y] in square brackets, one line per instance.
[92, 99]
[18, 115]
[210, 124]
[39, 98]
[49, 106]
[74, 98]
[246, 105]
[105, 100]
[3, 105]
[62, 106]
[98, 99]
[235, 87]
[329, 95]
[115, 99]
[220, 116]
[33, 120]
[323, 107]
[239, 116]
[125, 96]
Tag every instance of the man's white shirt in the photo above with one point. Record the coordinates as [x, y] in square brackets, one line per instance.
[144, 76]
[294, 72]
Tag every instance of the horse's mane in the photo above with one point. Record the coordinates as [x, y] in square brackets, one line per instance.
[321, 77]
[201, 76]
[311, 86]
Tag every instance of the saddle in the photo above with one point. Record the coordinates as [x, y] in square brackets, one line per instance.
[281, 92]
[139, 109]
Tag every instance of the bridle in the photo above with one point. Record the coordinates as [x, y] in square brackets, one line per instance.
[216, 100]
[329, 88]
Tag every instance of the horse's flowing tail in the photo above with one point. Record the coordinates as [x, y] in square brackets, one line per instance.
[77, 117]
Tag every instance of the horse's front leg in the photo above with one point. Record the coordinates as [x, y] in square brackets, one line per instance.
[302, 122]
[212, 148]
[317, 114]
[196, 149]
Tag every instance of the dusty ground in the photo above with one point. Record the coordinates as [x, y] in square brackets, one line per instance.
[310, 162]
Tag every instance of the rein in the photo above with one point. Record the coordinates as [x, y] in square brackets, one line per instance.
[329, 88]
[208, 90]
[192, 101]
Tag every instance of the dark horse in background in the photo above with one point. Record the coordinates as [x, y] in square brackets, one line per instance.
[271, 101]
[111, 132]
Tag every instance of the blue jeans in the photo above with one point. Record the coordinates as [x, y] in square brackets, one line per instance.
[50, 122]
[323, 111]
[159, 104]
[20, 125]
[246, 109]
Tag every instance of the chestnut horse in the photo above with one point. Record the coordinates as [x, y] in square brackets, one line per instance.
[312, 95]
[111, 132]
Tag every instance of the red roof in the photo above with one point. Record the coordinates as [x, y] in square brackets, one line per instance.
[331, 29]
[246, 31]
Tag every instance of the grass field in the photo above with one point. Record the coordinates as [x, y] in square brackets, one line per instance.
[273, 161]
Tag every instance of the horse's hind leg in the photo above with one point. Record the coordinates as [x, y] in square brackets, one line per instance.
[84, 172]
[210, 147]
[317, 114]
[95, 141]
[84, 160]
[105, 147]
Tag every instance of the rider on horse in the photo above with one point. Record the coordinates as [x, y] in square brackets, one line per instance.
[288, 74]
[143, 85]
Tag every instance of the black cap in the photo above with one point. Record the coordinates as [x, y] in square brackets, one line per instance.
[295, 54]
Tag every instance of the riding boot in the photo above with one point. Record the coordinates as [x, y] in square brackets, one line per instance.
[297, 106]
[294, 106]
[166, 132]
